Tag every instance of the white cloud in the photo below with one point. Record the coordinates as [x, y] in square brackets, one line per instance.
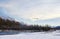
[33, 9]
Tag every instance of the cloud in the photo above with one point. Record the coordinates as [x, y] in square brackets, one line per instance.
[29, 9]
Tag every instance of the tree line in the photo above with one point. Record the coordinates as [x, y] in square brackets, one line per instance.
[6, 24]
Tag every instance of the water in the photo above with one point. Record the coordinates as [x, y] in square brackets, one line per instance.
[10, 32]
[33, 35]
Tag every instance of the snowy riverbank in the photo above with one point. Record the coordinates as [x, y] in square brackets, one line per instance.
[36, 35]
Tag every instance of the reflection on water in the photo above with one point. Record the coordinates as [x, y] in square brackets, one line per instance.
[11, 32]
[8, 32]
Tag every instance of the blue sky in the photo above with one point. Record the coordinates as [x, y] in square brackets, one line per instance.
[32, 9]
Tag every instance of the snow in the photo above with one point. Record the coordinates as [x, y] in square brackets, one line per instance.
[35, 35]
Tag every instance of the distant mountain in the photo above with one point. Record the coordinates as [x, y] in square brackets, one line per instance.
[57, 27]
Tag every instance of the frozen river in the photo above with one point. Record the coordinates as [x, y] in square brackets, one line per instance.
[35, 35]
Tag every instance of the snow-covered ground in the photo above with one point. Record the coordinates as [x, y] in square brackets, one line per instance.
[35, 35]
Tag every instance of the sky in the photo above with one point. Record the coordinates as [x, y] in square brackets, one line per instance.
[31, 9]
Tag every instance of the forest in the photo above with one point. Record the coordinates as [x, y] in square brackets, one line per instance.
[6, 24]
